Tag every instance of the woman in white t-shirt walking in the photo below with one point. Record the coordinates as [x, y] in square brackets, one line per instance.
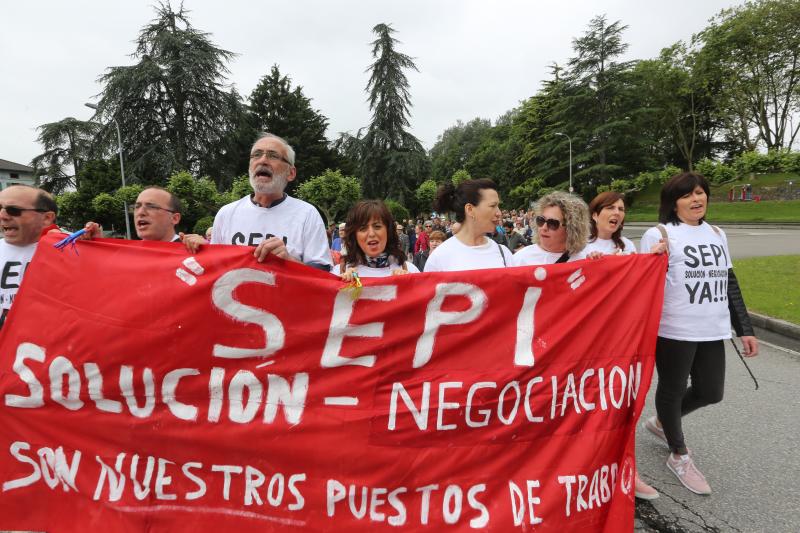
[607, 212]
[371, 247]
[476, 205]
[701, 301]
[562, 220]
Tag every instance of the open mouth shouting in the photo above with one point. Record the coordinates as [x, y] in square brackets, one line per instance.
[262, 171]
[373, 246]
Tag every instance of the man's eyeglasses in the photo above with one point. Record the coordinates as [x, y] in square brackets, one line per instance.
[14, 211]
[271, 155]
[552, 223]
[150, 207]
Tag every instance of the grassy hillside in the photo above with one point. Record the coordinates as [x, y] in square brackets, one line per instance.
[645, 203]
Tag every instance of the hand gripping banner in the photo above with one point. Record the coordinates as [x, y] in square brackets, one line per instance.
[143, 389]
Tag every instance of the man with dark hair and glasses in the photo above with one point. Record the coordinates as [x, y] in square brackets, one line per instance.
[26, 213]
[269, 219]
[155, 214]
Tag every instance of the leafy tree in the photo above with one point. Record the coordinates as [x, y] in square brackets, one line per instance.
[278, 108]
[95, 177]
[171, 105]
[67, 145]
[398, 210]
[198, 196]
[392, 161]
[425, 194]
[455, 146]
[333, 193]
[522, 195]
[460, 176]
[593, 111]
[754, 51]
[541, 152]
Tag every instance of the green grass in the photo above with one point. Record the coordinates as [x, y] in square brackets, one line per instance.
[766, 211]
[771, 285]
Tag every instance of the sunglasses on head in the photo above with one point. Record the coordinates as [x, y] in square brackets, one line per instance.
[552, 223]
[15, 211]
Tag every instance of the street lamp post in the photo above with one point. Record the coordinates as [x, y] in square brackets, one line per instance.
[121, 169]
[571, 190]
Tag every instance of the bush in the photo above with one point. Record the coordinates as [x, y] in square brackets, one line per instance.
[460, 176]
[756, 163]
[620, 185]
[790, 162]
[399, 212]
[643, 180]
[203, 224]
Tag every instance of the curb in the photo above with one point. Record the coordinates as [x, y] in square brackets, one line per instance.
[775, 325]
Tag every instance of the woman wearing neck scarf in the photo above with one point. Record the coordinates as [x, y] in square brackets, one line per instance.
[607, 212]
[372, 248]
[562, 222]
[476, 205]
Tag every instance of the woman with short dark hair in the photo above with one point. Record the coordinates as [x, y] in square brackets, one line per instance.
[701, 301]
[372, 247]
[476, 206]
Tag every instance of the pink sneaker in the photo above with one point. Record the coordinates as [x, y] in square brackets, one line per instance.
[651, 425]
[643, 491]
[687, 473]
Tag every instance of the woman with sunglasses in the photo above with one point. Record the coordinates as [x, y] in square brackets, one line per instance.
[562, 222]
[476, 206]
[701, 301]
[371, 246]
[607, 212]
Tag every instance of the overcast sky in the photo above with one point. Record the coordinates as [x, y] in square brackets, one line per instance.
[475, 58]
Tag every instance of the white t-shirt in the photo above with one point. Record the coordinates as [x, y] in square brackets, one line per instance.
[453, 255]
[14, 262]
[696, 290]
[536, 255]
[607, 247]
[368, 272]
[295, 221]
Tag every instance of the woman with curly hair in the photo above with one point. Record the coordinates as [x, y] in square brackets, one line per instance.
[562, 220]
[372, 248]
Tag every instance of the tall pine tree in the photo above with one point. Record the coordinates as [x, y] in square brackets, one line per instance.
[172, 105]
[392, 161]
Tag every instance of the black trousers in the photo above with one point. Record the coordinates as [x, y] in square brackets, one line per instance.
[676, 361]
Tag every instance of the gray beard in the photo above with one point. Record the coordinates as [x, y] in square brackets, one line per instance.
[275, 187]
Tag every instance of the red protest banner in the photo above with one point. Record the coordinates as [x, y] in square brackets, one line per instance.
[143, 389]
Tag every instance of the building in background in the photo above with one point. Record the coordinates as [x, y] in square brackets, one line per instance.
[15, 174]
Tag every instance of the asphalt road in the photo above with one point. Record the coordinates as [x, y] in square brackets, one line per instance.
[746, 446]
[744, 241]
